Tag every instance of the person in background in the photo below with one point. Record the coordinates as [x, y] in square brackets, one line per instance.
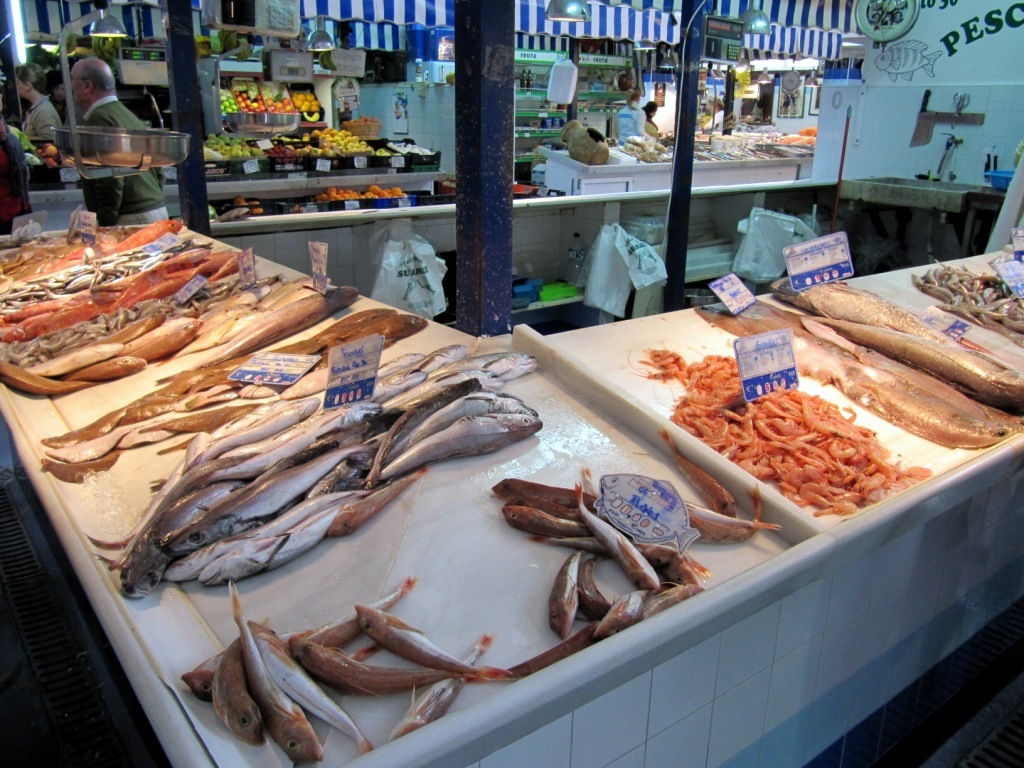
[631, 118]
[650, 108]
[719, 115]
[42, 117]
[55, 87]
[135, 199]
[13, 177]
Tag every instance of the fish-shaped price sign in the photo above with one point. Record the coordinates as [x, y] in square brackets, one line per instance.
[650, 511]
[1017, 238]
[766, 362]
[353, 371]
[818, 261]
[733, 292]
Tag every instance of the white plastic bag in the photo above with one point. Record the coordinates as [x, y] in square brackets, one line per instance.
[759, 258]
[410, 273]
[616, 264]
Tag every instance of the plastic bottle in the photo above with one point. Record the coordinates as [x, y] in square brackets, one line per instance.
[574, 261]
[419, 71]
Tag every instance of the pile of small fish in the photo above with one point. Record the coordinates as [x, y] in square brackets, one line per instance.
[983, 299]
[271, 483]
[265, 680]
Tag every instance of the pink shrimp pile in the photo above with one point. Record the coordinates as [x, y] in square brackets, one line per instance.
[804, 444]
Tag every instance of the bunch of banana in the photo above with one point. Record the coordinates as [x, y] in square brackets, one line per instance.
[325, 60]
[106, 48]
[230, 40]
[743, 79]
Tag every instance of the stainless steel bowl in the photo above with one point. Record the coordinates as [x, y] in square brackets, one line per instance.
[262, 122]
[124, 147]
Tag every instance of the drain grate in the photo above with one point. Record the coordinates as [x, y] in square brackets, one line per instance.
[81, 725]
[1003, 748]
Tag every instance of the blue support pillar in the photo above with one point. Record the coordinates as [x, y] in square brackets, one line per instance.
[187, 112]
[678, 225]
[484, 126]
[574, 56]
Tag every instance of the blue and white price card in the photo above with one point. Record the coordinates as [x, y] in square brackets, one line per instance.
[274, 368]
[943, 322]
[1012, 272]
[733, 292]
[353, 371]
[162, 244]
[246, 269]
[818, 261]
[1017, 238]
[189, 289]
[87, 227]
[766, 362]
[647, 510]
[318, 266]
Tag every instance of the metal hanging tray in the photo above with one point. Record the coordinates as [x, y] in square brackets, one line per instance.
[262, 122]
[139, 149]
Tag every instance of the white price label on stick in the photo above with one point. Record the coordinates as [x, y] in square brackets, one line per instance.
[69, 175]
[246, 268]
[1017, 238]
[398, 161]
[353, 371]
[650, 511]
[189, 289]
[1012, 272]
[766, 362]
[252, 165]
[351, 205]
[318, 266]
[944, 322]
[162, 244]
[733, 292]
[87, 227]
[274, 368]
[323, 164]
[265, 144]
[818, 261]
[359, 162]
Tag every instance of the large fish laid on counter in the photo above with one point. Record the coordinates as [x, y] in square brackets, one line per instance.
[908, 398]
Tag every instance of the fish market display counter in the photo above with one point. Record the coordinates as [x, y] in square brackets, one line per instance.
[572, 177]
[780, 654]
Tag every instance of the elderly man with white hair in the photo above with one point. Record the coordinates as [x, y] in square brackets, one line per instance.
[135, 199]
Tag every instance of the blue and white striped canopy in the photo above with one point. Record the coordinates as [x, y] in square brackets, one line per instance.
[819, 14]
[794, 41]
[618, 23]
[429, 13]
[44, 18]
[377, 37]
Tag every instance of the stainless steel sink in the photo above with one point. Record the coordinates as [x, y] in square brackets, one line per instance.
[915, 193]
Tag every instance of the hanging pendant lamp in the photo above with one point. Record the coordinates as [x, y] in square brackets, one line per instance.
[567, 10]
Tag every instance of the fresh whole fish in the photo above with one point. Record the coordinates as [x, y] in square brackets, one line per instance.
[564, 497]
[429, 388]
[715, 495]
[634, 565]
[412, 644]
[341, 672]
[722, 529]
[540, 523]
[396, 384]
[474, 404]
[564, 599]
[659, 601]
[442, 357]
[282, 717]
[351, 518]
[262, 423]
[406, 362]
[77, 359]
[437, 699]
[19, 378]
[231, 700]
[501, 365]
[200, 679]
[592, 603]
[107, 370]
[310, 384]
[471, 435]
[625, 612]
[563, 650]
[163, 341]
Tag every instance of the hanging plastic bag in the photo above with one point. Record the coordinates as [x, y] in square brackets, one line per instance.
[616, 264]
[410, 272]
[759, 257]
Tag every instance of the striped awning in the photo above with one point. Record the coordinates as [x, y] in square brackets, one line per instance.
[429, 13]
[794, 41]
[541, 43]
[44, 18]
[615, 22]
[819, 14]
[377, 37]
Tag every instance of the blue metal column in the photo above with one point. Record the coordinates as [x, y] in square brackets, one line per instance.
[574, 56]
[485, 109]
[12, 103]
[678, 225]
[187, 112]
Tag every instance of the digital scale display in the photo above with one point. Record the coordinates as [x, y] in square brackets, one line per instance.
[143, 54]
[723, 39]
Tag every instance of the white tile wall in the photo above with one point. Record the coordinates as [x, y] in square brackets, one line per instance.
[683, 685]
[431, 115]
[550, 745]
[793, 682]
[611, 725]
[635, 758]
[802, 615]
[683, 745]
[738, 718]
[747, 647]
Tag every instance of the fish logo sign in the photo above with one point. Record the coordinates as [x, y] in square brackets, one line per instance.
[904, 58]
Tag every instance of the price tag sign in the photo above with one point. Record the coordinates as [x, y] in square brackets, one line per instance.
[353, 371]
[189, 289]
[27, 226]
[310, 208]
[649, 511]
[359, 162]
[87, 227]
[252, 165]
[297, 175]
[246, 268]
[542, 114]
[1017, 238]
[951, 325]
[766, 362]
[69, 175]
[818, 261]
[162, 244]
[318, 266]
[404, 202]
[351, 205]
[323, 164]
[171, 173]
[1012, 272]
[398, 161]
[265, 144]
[274, 368]
[733, 292]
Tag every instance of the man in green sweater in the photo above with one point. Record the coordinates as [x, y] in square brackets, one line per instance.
[135, 199]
